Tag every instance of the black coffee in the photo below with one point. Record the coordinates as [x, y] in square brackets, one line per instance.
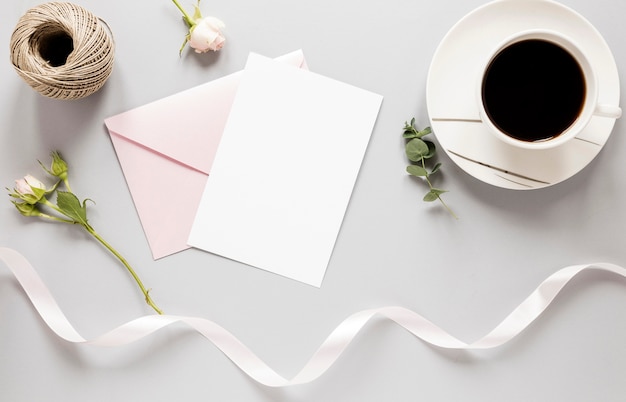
[533, 90]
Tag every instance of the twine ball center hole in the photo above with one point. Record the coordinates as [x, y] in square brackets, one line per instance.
[53, 43]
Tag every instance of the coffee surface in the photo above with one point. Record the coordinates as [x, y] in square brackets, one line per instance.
[533, 90]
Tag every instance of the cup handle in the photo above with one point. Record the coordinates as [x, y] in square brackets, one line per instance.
[611, 111]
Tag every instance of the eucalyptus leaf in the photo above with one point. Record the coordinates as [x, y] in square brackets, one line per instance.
[416, 149]
[418, 171]
[425, 131]
[432, 149]
[430, 197]
[433, 194]
[436, 168]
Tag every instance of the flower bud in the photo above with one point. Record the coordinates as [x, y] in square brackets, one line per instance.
[27, 209]
[29, 189]
[207, 35]
[58, 167]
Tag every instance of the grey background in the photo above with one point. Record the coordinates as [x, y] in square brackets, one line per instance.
[393, 249]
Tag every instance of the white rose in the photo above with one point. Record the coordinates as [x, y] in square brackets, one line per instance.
[29, 189]
[22, 187]
[27, 184]
[207, 35]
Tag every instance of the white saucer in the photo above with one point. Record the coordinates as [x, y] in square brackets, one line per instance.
[452, 100]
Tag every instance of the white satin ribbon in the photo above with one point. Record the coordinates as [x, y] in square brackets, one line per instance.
[330, 350]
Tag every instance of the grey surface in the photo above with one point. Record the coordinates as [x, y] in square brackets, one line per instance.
[393, 249]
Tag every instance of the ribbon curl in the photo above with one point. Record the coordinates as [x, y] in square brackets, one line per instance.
[329, 351]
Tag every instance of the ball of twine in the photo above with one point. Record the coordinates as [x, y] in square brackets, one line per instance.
[62, 50]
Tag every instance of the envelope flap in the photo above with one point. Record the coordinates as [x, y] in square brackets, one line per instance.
[186, 127]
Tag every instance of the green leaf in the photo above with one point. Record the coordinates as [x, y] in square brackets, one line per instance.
[420, 134]
[416, 149]
[425, 131]
[415, 170]
[433, 194]
[436, 168]
[71, 207]
[409, 131]
[432, 149]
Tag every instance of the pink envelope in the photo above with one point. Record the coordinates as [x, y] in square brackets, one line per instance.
[166, 149]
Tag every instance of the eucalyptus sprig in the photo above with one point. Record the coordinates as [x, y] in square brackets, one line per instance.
[32, 197]
[418, 150]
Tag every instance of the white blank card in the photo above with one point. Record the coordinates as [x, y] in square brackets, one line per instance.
[284, 170]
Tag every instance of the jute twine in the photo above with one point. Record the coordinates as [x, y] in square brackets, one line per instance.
[62, 50]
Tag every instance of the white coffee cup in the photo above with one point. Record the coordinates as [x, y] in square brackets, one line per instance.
[588, 107]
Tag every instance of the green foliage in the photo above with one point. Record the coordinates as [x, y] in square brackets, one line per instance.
[30, 194]
[418, 171]
[418, 151]
[70, 206]
[433, 194]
